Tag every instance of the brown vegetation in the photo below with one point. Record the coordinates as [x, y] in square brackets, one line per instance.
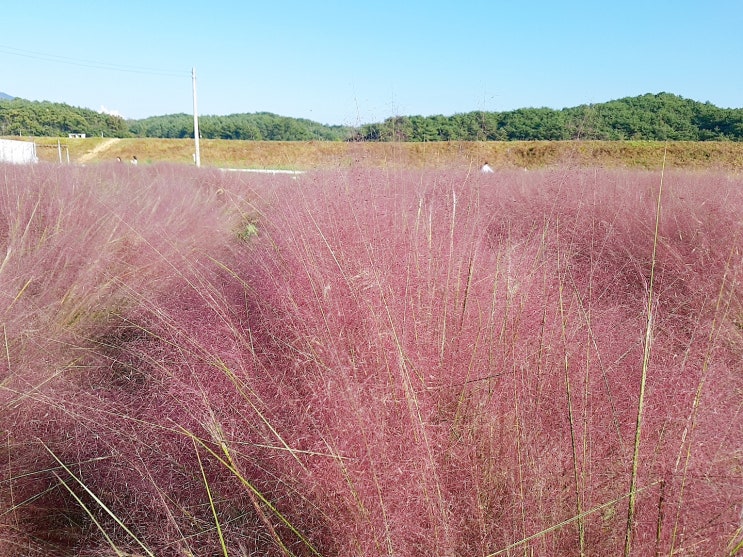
[305, 155]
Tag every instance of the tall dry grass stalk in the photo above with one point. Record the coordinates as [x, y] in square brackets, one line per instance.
[577, 483]
[643, 380]
[723, 303]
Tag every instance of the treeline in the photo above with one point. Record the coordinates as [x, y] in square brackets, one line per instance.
[260, 126]
[651, 117]
[48, 119]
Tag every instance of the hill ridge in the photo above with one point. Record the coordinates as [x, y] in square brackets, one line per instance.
[659, 116]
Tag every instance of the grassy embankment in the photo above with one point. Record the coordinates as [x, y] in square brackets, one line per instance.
[317, 155]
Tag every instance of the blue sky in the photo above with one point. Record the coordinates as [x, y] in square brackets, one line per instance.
[349, 62]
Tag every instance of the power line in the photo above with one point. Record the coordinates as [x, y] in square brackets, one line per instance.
[90, 63]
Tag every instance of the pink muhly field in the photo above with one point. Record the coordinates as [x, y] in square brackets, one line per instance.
[370, 362]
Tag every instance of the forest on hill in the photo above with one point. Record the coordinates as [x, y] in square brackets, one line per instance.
[650, 117]
[259, 126]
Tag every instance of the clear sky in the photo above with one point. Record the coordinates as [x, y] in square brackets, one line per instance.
[351, 62]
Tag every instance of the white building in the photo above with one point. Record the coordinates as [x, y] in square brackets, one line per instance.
[18, 152]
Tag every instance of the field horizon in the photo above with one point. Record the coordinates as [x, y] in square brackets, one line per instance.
[316, 155]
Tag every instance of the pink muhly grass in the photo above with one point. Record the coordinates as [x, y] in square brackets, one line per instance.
[91, 254]
[398, 363]
[453, 327]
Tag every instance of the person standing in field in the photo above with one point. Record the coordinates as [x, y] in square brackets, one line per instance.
[134, 160]
[486, 168]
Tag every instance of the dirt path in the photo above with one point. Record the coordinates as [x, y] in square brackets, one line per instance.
[97, 150]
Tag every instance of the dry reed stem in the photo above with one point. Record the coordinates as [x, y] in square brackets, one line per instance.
[256, 496]
[217, 524]
[643, 379]
[241, 387]
[90, 514]
[692, 422]
[568, 521]
[735, 548]
[568, 393]
[98, 501]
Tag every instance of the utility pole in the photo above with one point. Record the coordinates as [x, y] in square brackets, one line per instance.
[197, 155]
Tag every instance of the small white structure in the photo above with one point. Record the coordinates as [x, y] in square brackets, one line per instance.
[76, 135]
[18, 152]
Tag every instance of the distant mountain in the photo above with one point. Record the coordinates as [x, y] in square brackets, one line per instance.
[5, 96]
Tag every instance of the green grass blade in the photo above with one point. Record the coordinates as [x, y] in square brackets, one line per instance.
[227, 463]
[90, 514]
[211, 502]
[99, 502]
